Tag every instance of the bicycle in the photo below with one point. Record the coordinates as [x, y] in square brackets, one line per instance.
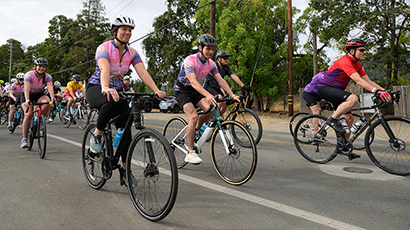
[79, 116]
[246, 117]
[385, 140]
[57, 110]
[38, 129]
[232, 147]
[17, 119]
[4, 113]
[149, 158]
[359, 141]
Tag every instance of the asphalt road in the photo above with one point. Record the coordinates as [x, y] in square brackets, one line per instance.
[286, 191]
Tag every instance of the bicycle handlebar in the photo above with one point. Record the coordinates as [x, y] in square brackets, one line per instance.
[36, 103]
[129, 95]
[378, 101]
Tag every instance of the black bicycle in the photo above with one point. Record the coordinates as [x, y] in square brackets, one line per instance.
[385, 141]
[17, 119]
[150, 160]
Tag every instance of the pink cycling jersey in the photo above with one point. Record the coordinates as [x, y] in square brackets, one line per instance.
[17, 89]
[118, 67]
[37, 85]
[194, 64]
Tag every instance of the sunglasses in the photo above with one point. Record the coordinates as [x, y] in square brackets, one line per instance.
[362, 50]
[225, 58]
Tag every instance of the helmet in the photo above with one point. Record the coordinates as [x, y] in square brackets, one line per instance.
[6, 84]
[41, 61]
[222, 53]
[45, 87]
[20, 76]
[76, 77]
[1, 82]
[57, 84]
[207, 40]
[354, 43]
[127, 77]
[123, 21]
[13, 80]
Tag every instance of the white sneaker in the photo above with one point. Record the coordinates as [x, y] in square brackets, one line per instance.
[192, 157]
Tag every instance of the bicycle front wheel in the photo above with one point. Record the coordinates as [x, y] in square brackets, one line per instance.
[93, 163]
[233, 162]
[176, 138]
[318, 147]
[391, 156]
[92, 116]
[31, 134]
[41, 136]
[295, 119]
[151, 161]
[251, 121]
[82, 118]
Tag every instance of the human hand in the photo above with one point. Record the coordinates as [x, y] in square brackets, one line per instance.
[384, 95]
[211, 99]
[160, 94]
[110, 92]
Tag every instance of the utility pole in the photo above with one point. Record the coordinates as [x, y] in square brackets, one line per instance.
[315, 67]
[212, 29]
[11, 54]
[290, 57]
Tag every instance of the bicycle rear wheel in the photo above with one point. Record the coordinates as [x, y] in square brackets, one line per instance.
[171, 129]
[239, 165]
[92, 116]
[392, 157]
[93, 163]
[295, 119]
[318, 147]
[82, 117]
[150, 159]
[251, 121]
[41, 136]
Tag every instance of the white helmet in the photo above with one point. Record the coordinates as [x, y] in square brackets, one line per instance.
[20, 76]
[13, 80]
[127, 77]
[6, 84]
[123, 21]
[57, 84]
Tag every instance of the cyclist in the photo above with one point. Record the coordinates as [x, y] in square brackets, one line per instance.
[212, 86]
[6, 91]
[114, 58]
[57, 95]
[333, 84]
[70, 92]
[14, 97]
[1, 91]
[190, 94]
[34, 82]
[127, 87]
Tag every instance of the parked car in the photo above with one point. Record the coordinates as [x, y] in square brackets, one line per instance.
[148, 103]
[169, 104]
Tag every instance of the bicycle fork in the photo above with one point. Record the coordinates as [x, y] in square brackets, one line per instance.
[394, 142]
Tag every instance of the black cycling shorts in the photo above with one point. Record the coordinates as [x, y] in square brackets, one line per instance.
[184, 97]
[12, 102]
[334, 95]
[311, 98]
[32, 97]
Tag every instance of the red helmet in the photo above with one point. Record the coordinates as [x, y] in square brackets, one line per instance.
[354, 43]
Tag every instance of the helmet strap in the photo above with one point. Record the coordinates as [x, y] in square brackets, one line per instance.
[203, 53]
[115, 37]
[354, 54]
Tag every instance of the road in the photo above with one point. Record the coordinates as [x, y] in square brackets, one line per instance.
[286, 191]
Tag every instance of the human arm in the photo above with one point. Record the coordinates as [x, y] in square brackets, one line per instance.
[147, 79]
[51, 91]
[104, 66]
[225, 86]
[368, 84]
[237, 80]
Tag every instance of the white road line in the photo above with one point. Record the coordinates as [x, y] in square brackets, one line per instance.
[254, 199]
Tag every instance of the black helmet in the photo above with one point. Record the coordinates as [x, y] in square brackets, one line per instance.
[76, 77]
[41, 61]
[207, 40]
[222, 53]
[354, 43]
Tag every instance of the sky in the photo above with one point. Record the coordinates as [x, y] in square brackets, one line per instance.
[27, 20]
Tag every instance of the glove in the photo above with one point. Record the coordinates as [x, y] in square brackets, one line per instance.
[246, 88]
[383, 94]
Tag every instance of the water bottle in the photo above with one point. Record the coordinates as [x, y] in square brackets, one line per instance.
[344, 125]
[356, 126]
[118, 136]
[202, 129]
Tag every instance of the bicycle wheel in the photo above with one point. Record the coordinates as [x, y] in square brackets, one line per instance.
[171, 129]
[251, 121]
[93, 163]
[317, 147]
[67, 121]
[295, 119]
[237, 166]
[92, 116]
[82, 117]
[31, 134]
[151, 161]
[392, 157]
[41, 136]
[3, 117]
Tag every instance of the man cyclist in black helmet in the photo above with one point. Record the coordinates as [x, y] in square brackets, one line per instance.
[333, 84]
[212, 86]
[190, 94]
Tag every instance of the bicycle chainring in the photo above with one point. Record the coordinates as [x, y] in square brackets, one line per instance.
[106, 167]
[344, 146]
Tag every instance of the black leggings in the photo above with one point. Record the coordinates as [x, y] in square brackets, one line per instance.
[107, 110]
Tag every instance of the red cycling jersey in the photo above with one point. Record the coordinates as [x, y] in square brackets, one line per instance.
[339, 73]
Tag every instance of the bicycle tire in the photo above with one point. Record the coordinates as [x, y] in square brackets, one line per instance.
[31, 134]
[295, 119]
[3, 117]
[251, 121]
[157, 189]
[93, 163]
[66, 121]
[82, 118]
[41, 136]
[61, 113]
[170, 131]
[237, 167]
[92, 117]
[315, 149]
[384, 154]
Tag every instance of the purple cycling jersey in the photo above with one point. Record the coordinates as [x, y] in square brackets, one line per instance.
[312, 86]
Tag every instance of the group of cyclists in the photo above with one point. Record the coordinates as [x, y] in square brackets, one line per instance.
[200, 79]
